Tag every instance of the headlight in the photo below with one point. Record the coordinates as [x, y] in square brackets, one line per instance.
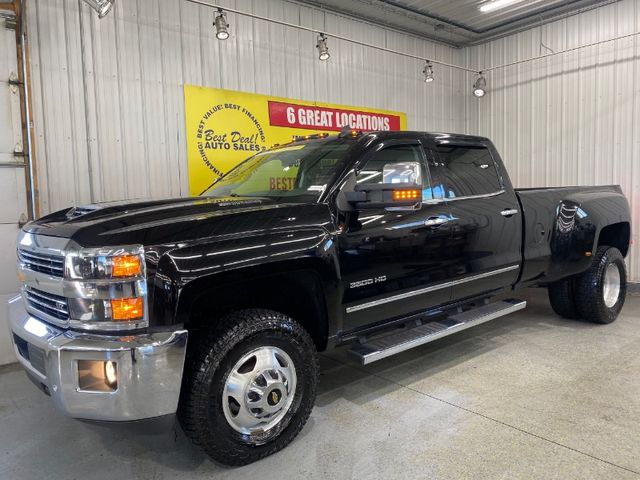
[106, 288]
[102, 263]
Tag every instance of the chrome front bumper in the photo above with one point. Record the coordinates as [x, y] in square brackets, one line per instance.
[149, 367]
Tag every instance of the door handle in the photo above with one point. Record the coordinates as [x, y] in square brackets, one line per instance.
[435, 221]
[508, 212]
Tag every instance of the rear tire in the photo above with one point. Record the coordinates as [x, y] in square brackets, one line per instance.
[249, 386]
[562, 298]
[601, 290]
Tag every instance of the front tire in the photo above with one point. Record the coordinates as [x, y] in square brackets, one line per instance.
[601, 290]
[249, 387]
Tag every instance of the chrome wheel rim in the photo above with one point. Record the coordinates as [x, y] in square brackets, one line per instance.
[259, 390]
[611, 285]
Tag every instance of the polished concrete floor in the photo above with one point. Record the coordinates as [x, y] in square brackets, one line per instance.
[526, 396]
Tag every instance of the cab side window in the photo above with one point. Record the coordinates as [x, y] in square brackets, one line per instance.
[373, 169]
[469, 171]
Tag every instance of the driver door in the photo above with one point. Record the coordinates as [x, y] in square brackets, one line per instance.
[390, 259]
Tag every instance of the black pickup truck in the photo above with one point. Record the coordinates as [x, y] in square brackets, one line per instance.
[215, 307]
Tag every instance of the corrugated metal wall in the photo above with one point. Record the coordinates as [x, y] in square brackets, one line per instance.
[108, 96]
[13, 195]
[572, 118]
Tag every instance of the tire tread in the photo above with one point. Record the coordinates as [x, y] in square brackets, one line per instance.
[208, 352]
[588, 293]
[562, 298]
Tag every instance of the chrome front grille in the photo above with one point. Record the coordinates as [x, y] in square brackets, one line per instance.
[42, 262]
[51, 305]
[41, 265]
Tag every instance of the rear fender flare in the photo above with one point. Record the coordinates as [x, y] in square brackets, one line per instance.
[579, 222]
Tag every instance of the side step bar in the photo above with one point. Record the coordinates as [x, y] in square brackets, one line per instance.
[377, 348]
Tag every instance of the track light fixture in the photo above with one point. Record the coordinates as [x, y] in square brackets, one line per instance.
[102, 7]
[428, 72]
[323, 49]
[480, 85]
[220, 22]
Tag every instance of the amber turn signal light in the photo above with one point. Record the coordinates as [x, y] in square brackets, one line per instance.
[126, 309]
[126, 266]
[407, 194]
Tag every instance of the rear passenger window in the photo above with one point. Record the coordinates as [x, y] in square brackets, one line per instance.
[469, 171]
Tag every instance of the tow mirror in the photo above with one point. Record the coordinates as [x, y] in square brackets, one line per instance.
[406, 172]
[401, 189]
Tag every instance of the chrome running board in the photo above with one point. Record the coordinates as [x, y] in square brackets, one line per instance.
[386, 345]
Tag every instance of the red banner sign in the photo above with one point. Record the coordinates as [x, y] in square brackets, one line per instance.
[322, 118]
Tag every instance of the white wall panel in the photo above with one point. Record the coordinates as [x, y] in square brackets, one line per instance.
[13, 195]
[109, 114]
[108, 98]
[572, 118]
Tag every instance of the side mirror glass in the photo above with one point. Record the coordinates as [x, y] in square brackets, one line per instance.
[407, 172]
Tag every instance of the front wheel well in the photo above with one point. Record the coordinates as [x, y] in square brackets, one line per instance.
[616, 235]
[298, 294]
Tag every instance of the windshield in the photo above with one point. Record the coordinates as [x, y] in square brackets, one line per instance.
[293, 173]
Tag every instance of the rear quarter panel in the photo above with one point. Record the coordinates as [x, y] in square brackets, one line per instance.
[562, 224]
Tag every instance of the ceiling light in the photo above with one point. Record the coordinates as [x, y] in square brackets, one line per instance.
[479, 86]
[323, 49]
[101, 6]
[221, 25]
[496, 5]
[428, 72]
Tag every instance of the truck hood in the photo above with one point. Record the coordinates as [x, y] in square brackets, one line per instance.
[175, 220]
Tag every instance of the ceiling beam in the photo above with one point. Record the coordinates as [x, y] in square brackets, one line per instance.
[480, 31]
[320, 5]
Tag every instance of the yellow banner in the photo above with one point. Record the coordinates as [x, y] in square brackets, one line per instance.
[224, 127]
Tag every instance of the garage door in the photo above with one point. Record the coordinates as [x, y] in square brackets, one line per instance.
[13, 196]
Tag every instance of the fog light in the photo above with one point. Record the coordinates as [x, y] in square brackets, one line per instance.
[111, 374]
[97, 376]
